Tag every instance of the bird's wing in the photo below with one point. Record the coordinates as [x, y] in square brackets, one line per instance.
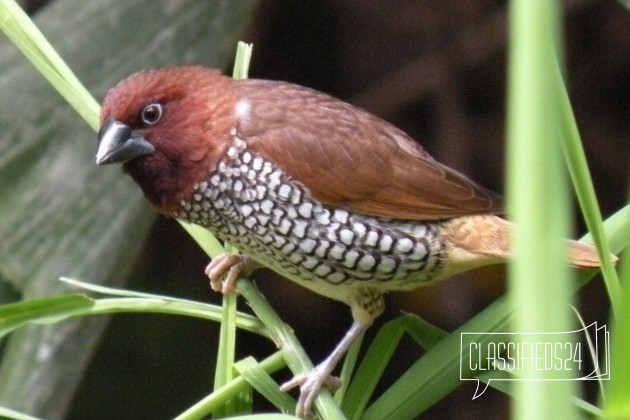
[351, 159]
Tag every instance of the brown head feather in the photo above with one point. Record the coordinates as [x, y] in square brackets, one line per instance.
[190, 137]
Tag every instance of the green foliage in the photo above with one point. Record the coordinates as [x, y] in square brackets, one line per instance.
[617, 402]
[54, 223]
[540, 286]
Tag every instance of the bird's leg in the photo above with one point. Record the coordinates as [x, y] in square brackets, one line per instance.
[225, 269]
[310, 383]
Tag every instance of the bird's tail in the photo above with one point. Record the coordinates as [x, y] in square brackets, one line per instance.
[485, 239]
[583, 255]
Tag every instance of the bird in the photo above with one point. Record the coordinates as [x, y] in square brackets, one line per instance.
[322, 192]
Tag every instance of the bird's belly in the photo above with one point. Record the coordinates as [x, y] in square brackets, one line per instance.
[253, 205]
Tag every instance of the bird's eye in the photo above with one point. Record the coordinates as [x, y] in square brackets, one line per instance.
[151, 114]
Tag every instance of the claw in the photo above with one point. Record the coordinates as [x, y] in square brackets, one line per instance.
[310, 383]
[225, 269]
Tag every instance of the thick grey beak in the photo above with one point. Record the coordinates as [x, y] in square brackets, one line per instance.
[117, 143]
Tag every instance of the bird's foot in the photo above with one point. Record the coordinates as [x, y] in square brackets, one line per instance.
[310, 383]
[224, 270]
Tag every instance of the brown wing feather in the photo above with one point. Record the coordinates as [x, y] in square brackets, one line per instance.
[351, 159]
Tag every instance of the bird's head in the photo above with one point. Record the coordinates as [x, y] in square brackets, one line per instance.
[168, 127]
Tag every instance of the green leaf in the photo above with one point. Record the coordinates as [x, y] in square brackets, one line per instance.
[265, 417]
[296, 358]
[152, 303]
[227, 336]
[253, 373]
[6, 413]
[617, 403]
[436, 373]
[34, 45]
[43, 310]
[585, 191]
[372, 367]
[540, 286]
[425, 334]
[219, 397]
[226, 355]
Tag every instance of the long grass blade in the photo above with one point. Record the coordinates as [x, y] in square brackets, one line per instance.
[617, 403]
[295, 356]
[581, 177]
[226, 354]
[372, 367]
[219, 397]
[540, 288]
[27, 37]
[259, 379]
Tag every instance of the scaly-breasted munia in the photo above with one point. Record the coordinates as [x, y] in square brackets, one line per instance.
[324, 193]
